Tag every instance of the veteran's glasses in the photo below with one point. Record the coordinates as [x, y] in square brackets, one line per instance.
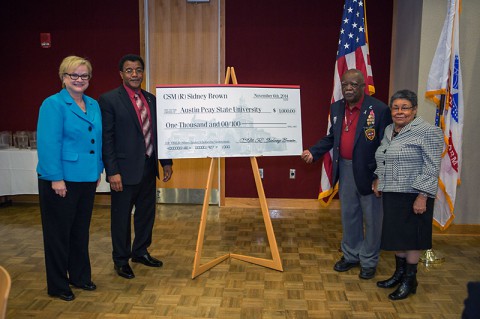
[354, 85]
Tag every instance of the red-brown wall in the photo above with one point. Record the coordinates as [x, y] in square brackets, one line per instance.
[268, 42]
[102, 31]
[295, 42]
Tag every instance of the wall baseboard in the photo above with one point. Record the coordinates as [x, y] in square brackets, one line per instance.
[280, 203]
[273, 203]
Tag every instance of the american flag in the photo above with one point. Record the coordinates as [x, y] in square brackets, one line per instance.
[352, 53]
[445, 89]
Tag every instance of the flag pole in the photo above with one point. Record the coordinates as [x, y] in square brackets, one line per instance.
[430, 256]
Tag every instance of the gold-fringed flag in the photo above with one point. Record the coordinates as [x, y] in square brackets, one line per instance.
[444, 88]
[352, 53]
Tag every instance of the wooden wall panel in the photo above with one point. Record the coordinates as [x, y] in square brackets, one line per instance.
[185, 46]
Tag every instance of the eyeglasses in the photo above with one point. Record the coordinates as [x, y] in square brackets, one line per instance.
[130, 71]
[75, 76]
[354, 85]
[401, 108]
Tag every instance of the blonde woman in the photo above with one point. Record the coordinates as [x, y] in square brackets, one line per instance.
[69, 142]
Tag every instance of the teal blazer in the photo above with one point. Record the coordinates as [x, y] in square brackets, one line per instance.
[69, 141]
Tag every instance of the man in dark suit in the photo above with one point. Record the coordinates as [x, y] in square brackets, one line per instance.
[357, 125]
[130, 158]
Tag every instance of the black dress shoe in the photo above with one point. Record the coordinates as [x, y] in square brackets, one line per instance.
[148, 260]
[343, 265]
[89, 286]
[66, 296]
[367, 272]
[124, 271]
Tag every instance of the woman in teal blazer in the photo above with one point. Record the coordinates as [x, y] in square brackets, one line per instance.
[69, 143]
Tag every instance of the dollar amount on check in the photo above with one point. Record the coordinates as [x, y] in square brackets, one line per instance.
[228, 121]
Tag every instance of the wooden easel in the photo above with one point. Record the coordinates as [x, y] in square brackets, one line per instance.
[275, 262]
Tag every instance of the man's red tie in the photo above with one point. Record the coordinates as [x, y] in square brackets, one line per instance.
[147, 132]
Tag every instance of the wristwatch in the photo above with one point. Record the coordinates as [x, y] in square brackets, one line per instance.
[423, 194]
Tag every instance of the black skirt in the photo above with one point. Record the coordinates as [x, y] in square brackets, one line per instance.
[402, 228]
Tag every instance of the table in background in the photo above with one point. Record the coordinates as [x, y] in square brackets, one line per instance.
[18, 175]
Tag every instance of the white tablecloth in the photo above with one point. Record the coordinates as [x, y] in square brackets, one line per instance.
[18, 173]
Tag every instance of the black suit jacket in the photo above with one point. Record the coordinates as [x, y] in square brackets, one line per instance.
[364, 148]
[123, 141]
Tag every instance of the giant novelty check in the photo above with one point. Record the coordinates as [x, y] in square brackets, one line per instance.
[228, 121]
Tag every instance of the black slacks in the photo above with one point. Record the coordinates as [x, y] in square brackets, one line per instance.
[143, 197]
[66, 225]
